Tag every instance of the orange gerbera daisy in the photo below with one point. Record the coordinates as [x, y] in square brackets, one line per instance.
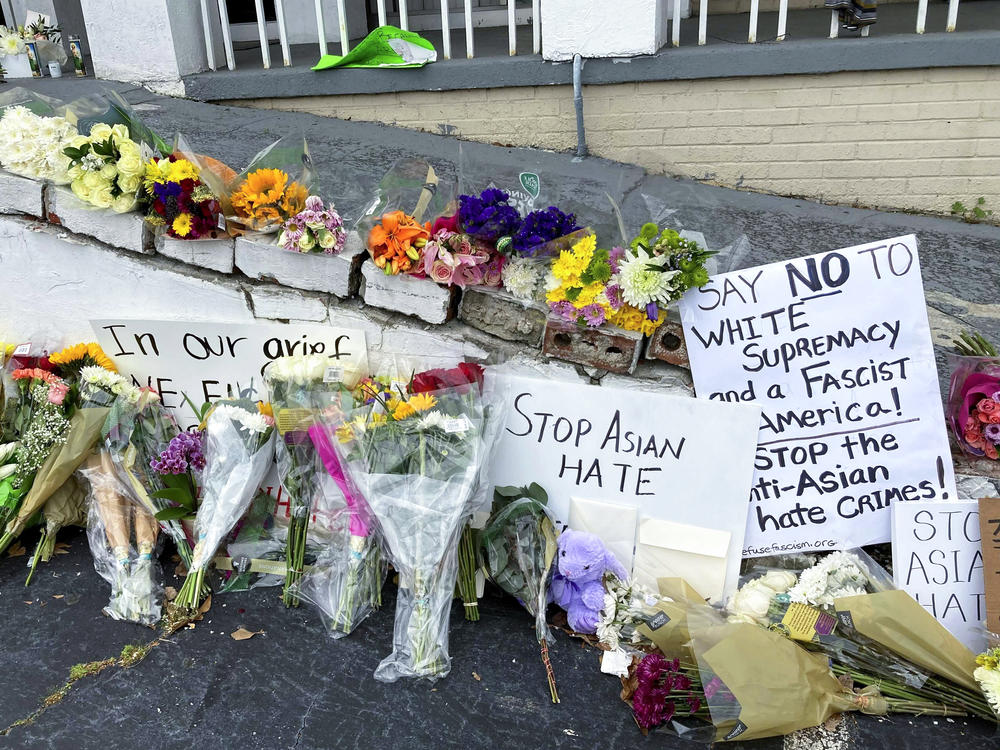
[395, 243]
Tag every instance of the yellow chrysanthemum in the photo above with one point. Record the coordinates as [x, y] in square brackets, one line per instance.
[588, 294]
[586, 247]
[556, 295]
[344, 433]
[422, 401]
[181, 169]
[83, 355]
[182, 225]
[379, 419]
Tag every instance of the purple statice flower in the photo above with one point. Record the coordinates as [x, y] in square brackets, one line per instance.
[615, 257]
[593, 315]
[488, 215]
[182, 454]
[564, 309]
[992, 433]
[540, 227]
[614, 294]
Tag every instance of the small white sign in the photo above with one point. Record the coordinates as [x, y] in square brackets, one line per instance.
[937, 558]
[657, 455]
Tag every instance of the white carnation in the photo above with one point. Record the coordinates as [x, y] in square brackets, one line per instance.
[520, 278]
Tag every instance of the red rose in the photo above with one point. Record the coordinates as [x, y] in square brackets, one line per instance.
[427, 381]
[473, 373]
[991, 451]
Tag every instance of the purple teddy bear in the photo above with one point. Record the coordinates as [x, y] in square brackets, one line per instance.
[577, 584]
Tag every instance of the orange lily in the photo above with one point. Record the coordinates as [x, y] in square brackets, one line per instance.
[395, 242]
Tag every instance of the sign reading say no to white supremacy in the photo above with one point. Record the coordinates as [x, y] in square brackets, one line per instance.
[836, 349]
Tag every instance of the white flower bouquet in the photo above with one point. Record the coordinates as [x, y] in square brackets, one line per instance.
[416, 460]
[239, 448]
[845, 607]
[32, 145]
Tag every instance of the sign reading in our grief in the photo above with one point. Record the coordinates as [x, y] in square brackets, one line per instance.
[836, 349]
[936, 558]
[667, 457]
[208, 361]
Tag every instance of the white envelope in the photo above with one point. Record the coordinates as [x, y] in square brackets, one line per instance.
[669, 549]
[613, 524]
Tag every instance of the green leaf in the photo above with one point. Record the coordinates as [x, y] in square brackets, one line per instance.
[509, 491]
[176, 495]
[958, 207]
[172, 514]
[536, 492]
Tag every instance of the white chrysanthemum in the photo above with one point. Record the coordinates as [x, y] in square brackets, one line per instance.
[642, 285]
[252, 421]
[551, 282]
[839, 574]
[12, 44]
[520, 278]
[300, 368]
[32, 146]
[432, 419]
[989, 681]
[101, 378]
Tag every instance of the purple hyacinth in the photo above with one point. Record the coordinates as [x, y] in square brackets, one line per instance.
[182, 453]
[488, 215]
[540, 227]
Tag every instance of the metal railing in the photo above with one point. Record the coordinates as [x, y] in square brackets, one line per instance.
[469, 13]
[783, 21]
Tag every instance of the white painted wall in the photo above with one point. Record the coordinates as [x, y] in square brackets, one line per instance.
[623, 28]
[64, 282]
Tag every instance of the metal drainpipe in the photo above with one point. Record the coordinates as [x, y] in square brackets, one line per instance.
[581, 137]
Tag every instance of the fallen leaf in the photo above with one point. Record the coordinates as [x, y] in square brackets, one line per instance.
[58, 596]
[181, 570]
[476, 677]
[26, 601]
[205, 605]
[171, 593]
[61, 548]
[16, 550]
[242, 634]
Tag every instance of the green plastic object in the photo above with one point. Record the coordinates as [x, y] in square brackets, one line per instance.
[386, 47]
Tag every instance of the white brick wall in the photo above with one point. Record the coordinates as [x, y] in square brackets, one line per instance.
[127, 231]
[907, 139]
[19, 195]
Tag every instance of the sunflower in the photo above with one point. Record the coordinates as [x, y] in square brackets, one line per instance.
[295, 199]
[260, 188]
[73, 358]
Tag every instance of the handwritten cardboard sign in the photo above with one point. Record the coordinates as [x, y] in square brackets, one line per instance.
[836, 349]
[989, 527]
[936, 558]
[210, 360]
[632, 454]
